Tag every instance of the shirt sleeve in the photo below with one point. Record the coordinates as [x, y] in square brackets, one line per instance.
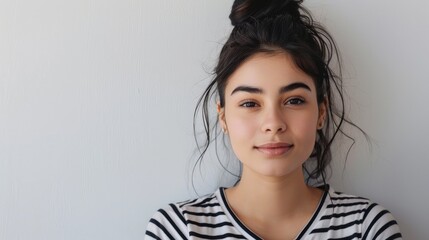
[167, 223]
[380, 224]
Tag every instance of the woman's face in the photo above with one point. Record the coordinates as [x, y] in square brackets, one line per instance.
[271, 114]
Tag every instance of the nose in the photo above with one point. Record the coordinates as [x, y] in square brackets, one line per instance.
[273, 121]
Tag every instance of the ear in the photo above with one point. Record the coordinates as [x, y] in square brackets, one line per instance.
[221, 117]
[323, 112]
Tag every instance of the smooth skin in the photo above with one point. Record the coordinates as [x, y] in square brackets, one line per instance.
[271, 116]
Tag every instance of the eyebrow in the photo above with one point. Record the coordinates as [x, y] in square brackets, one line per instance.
[284, 89]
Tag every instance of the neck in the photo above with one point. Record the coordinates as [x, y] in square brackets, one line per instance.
[272, 198]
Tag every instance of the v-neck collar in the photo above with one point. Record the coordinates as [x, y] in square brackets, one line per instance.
[251, 235]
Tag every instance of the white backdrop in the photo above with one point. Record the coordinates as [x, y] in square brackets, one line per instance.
[97, 97]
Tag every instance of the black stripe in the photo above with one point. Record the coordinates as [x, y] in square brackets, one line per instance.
[203, 214]
[353, 236]
[346, 204]
[337, 227]
[210, 225]
[322, 202]
[394, 236]
[379, 215]
[387, 225]
[339, 215]
[160, 226]
[176, 210]
[208, 199]
[187, 202]
[223, 236]
[368, 210]
[208, 205]
[348, 198]
[236, 219]
[172, 223]
[151, 234]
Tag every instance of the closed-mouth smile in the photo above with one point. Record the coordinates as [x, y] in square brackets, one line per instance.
[274, 149]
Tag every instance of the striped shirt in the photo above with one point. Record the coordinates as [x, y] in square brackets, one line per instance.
[338, 216]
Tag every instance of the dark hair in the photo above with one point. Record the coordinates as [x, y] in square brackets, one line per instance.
[276, 26]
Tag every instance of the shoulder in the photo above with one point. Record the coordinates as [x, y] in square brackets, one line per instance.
[167, 223]
[172, 221]
[362, 216]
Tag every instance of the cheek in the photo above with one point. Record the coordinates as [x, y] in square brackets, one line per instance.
[240, 132]
[305, 128]
[240, 128]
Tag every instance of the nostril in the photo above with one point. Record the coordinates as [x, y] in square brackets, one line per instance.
[280, 129]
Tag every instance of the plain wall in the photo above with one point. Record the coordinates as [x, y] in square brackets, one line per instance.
[97, 98]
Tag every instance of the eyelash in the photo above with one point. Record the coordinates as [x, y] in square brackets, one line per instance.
[247, 103]
[252, 104]
[300, 101]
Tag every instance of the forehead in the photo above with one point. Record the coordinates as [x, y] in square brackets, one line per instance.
[268, 71]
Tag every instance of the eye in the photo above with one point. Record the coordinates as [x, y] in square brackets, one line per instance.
[249, 104]
[295, 101]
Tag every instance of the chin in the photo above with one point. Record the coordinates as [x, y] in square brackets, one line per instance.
[277, 171]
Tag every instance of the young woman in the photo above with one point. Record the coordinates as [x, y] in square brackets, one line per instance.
[280, 105]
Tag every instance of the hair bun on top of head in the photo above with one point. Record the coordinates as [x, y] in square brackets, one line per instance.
[243, 10]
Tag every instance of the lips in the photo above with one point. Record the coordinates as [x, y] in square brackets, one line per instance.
[274, 149]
